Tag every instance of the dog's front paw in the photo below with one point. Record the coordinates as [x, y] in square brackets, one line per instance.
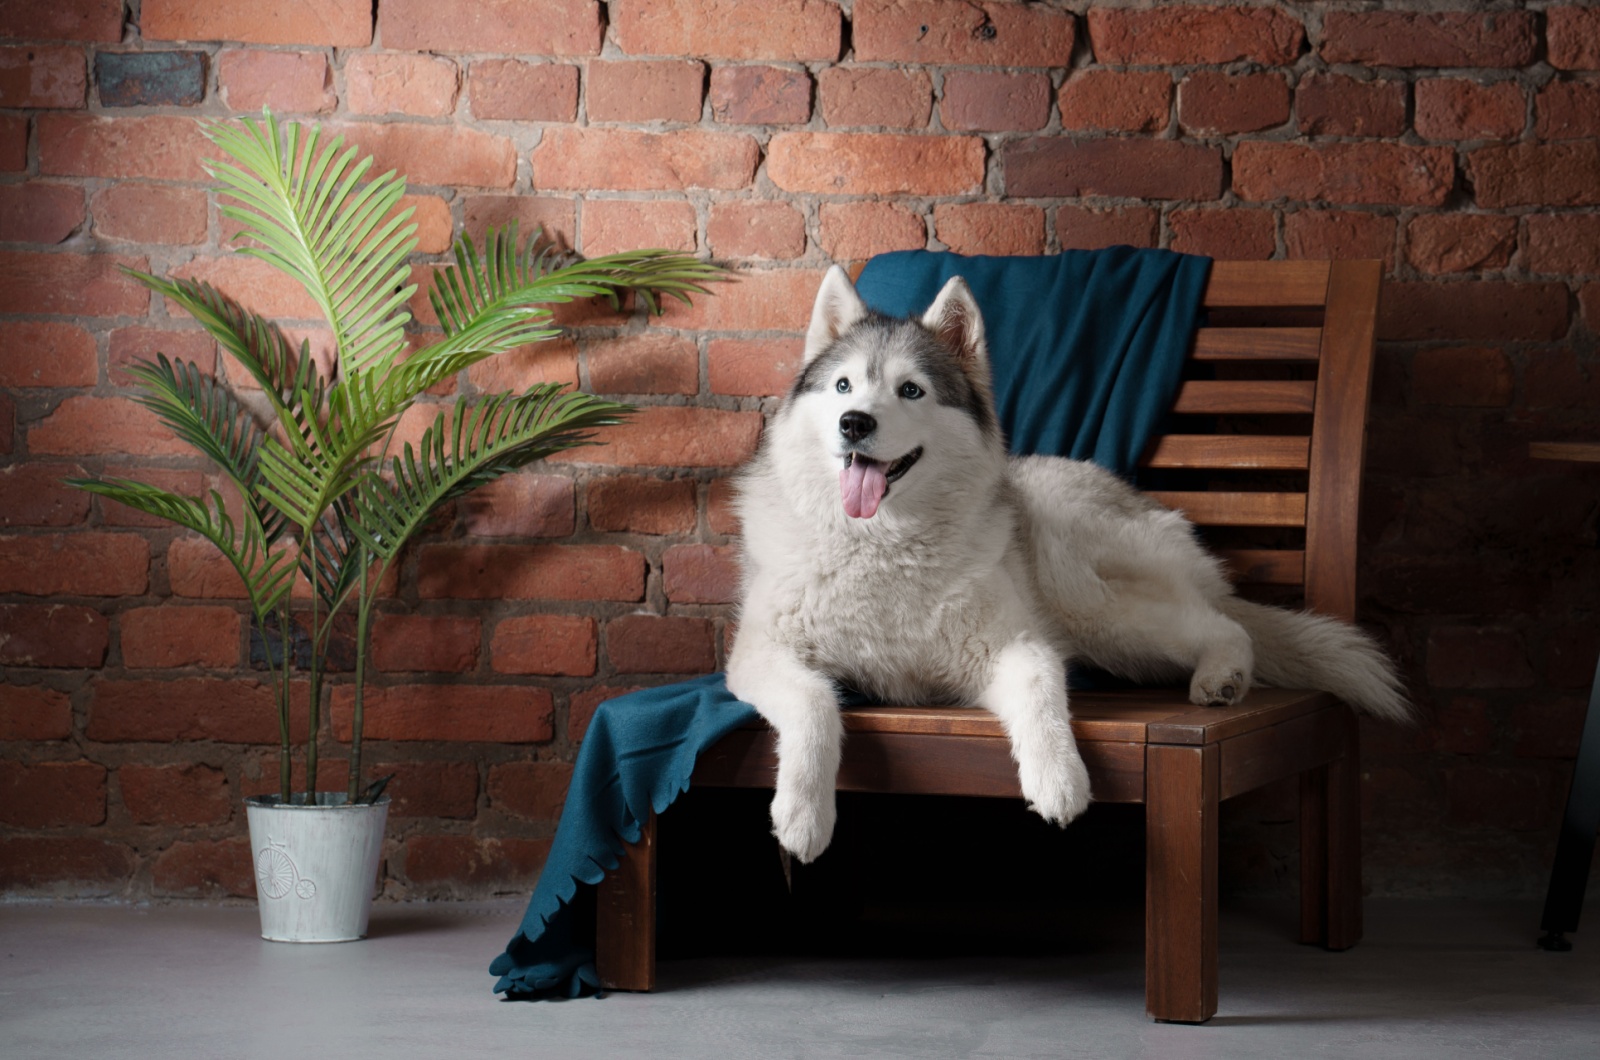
[803, 826]
[1058, 792]
[1218, 688]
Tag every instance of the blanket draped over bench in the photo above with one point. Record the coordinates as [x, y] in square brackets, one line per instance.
[1087, 348]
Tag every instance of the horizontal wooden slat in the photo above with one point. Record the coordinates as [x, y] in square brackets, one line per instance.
[1265, 566]
[1265, 452]
[1252, 759]
[1218, 508]
[1286, 283]
[1588, 452]
[1246, 395]
[1257, 344]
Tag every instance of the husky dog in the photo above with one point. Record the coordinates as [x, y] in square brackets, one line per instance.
[892, 546]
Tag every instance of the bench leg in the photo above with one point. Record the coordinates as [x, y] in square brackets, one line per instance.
[625, 925]
[1180, 945]
[1330, 846]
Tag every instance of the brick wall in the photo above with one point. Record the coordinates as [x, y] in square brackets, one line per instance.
[1461, 146]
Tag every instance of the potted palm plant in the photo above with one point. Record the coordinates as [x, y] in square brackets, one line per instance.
[323, 498]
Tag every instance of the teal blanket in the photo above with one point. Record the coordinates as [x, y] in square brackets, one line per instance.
[1087, 349]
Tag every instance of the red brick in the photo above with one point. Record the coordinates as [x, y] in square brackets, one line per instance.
[190, 483]
[175, 795]
[448, 713]
[756, 229]
[1562, 174]
[94, 426]
[875, 96]
[1472, 657]
[88, 563]
[180, 636]
[34, 713]
[1212, 103]
[534, 790]
[64, 864]
[851, 231]
[40, 354]
[657, 644]
[876, 163]
[431, 215]
[52, 794]
[638, 505]
[519, 505]
[253, 283]
[287, 82]
[259, 775]
[1117, 100]
[701, 574]
[752, 367]
[1429, 38]
[983, 33]
[1340, 235]
[1462, 376]
[449, 864]
[34, 494]
[1181, 36]
[1237, 235]
[228, 709]
[89, 20]
[85, 145]
[757, 300]
[1563, 244]
[1555, 379]
[1567, 110]
[39, 213]
[1572, 35]
[789, 30]
[70, 284]
[435, 154]
[554, 645]
[650, 363]
[674, 436]
[205, 869]
[439, 643]
[52, 635]
[556, 218]
[1460, 242]
[1080, 228]
[1569, 655]
[1051, 167]
[339, 23]
[760, 95]
[431, 789]
[530, 572]
[628, 160]
[1548, 729]
[551, 361]
[529, 27]
[1452, 109]
[666, 90]
[990, 228]
[985, 101]
[1479, 311]
[584, 703]
[509, 89]
[1335, 105]
[1492, 797]
[8, 423]
[13, 142]
[197, 570]
[145, 213]
[1464, 727]
[1344, 173]
[1589, 301]
[43, 77]
[401, 84]
[613, 226]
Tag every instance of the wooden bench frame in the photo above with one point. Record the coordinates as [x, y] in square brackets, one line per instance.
[1153, 747]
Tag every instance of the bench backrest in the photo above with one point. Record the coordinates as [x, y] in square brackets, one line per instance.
[1270, 427]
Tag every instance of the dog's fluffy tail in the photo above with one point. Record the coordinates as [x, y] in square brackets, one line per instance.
[1297, 649]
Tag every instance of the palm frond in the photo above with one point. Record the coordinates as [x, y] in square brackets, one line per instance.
[203, 413]
[473, 443]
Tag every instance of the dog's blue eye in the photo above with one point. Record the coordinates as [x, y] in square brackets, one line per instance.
[910, 391]
[842, 386]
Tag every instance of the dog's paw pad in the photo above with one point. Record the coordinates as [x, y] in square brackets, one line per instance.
[1222, 690]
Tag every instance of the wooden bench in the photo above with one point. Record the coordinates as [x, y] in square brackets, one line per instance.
[1283, 371]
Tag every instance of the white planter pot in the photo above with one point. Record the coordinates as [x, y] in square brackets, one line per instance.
[316, 866]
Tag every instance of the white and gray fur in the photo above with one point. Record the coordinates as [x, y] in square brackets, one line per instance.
[979, 574]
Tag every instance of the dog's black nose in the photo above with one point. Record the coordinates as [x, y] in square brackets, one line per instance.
[856, 425]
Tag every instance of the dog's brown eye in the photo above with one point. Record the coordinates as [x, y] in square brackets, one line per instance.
[842, 386]
[910, 391]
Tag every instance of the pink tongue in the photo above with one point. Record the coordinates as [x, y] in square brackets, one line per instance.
[862, 485]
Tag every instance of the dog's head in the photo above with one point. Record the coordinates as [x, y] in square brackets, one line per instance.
[893, 403]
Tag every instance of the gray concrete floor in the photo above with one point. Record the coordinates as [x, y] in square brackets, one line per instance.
[1432, 979]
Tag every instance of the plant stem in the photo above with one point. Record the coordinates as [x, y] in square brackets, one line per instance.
[363, 620]
[315, 677]
[285, 752]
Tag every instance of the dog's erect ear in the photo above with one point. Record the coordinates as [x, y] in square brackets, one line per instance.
[954, 317]
[836, 309]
